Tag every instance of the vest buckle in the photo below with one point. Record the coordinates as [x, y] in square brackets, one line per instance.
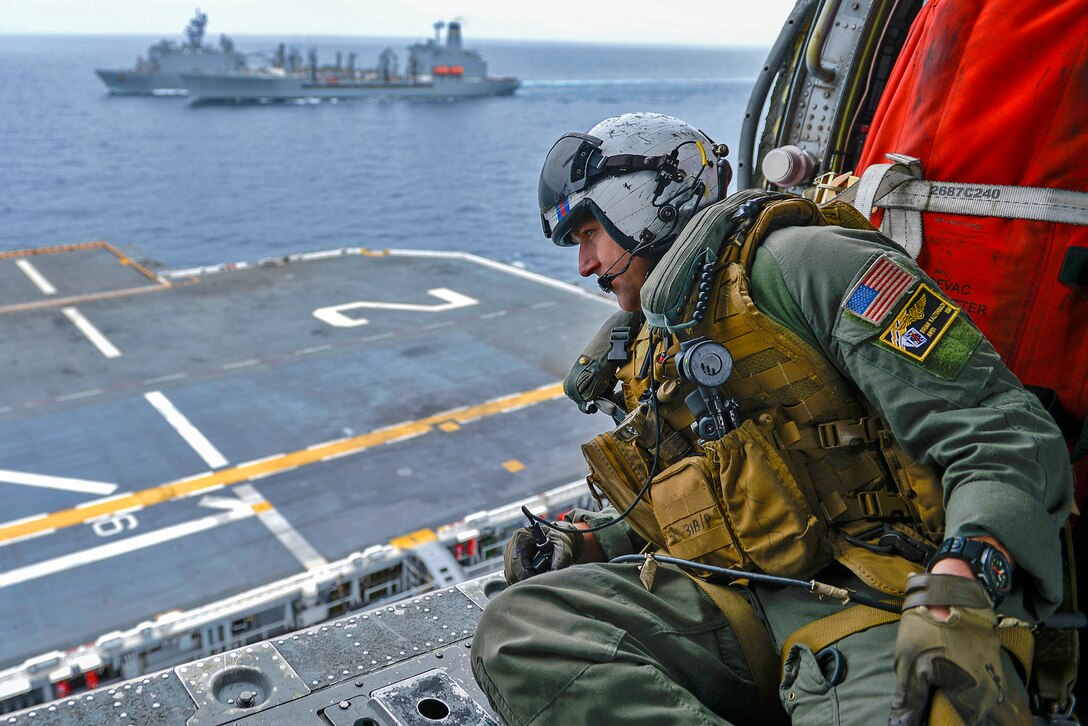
[847, 433]
[619, 338]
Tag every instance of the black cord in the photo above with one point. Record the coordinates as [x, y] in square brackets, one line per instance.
[756, 577]
[653, 466]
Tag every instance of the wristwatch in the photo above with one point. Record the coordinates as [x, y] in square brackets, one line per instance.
[990, 566]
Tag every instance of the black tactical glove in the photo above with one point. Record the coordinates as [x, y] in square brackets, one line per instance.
[960, 657]
[522, 548]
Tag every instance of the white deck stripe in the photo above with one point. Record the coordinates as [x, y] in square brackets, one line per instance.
[510, 270]
[103, 500]
[36, 277]
[278, 525]
[93, 334]
[79, 394]
[241, 364]
[164, 379]
[192, 436]
[105, 552]
[56, 482]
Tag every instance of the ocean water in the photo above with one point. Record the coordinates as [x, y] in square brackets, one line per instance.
[177, 185]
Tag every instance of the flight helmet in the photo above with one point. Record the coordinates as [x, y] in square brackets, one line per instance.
[642, 175]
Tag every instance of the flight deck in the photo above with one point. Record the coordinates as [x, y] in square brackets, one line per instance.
[171, 439]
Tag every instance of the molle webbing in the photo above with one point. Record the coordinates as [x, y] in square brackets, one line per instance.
[813, 474]
[826, 427]
[820, 423]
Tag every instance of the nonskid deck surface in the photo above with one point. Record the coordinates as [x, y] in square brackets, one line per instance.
[165, 442]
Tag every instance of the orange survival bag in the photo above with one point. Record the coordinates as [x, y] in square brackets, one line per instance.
[985, 117]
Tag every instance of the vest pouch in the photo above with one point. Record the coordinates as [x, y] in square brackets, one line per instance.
[619, 471]
[765, 506]
[686, 502]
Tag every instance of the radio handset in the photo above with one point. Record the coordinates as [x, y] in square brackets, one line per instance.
[707, 364]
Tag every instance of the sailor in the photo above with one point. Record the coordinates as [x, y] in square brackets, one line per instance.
[796, 399]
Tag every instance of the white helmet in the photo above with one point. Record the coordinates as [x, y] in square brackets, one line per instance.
[642, 175]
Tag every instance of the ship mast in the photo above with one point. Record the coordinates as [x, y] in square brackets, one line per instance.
[194, 31]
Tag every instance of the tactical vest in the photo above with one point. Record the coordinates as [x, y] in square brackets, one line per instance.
[812, 473]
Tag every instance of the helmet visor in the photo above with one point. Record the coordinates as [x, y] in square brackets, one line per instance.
[566, 171]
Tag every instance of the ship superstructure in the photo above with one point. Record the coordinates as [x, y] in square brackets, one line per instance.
[433, 69]
[160, 72]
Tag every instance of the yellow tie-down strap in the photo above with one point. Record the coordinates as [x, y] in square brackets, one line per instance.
[819, 634]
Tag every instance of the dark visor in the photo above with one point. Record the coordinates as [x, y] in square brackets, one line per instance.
[566, 169]
[576, 163]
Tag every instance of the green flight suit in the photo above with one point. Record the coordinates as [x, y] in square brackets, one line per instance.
[590, 645]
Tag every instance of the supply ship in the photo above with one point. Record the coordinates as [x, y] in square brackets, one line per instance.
[433, 70]
[160, 73]
[392, 413]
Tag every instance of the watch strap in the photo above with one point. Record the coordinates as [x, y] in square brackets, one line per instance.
[981, 557]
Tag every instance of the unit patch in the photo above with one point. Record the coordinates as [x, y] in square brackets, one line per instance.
[920, 324]
[929, 330]
[878, 290]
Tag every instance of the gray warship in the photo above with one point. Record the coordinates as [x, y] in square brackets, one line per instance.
[433, 70]
[160, 73]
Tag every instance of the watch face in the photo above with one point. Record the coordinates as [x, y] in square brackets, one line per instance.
[1000, 574]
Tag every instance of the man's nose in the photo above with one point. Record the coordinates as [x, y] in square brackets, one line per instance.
[587, 261]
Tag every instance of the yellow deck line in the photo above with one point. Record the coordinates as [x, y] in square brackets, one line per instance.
[415, 539]
[245, 472]
[74, 247]
[94, 296]
[129, 262]
[77, 246]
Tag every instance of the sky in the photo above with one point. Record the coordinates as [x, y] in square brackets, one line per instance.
[657, 22]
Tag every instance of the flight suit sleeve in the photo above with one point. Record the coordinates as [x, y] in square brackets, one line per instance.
[944, 391]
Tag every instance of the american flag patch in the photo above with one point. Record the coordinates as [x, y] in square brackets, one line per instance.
[878, 290]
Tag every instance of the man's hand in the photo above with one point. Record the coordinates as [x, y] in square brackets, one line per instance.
[959, 655]
[521, 549]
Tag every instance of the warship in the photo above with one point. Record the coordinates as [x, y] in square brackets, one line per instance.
[433, 70]
[160, 73]
[393, 411]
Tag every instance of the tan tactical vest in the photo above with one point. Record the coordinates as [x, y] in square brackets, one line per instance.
[811, 475]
